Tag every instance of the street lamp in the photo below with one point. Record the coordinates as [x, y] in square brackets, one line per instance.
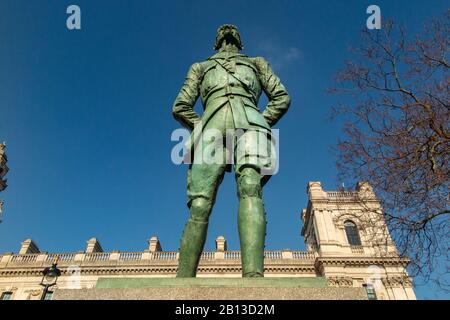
[50, 276]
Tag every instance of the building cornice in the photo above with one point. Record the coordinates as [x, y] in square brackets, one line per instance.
[323, 262]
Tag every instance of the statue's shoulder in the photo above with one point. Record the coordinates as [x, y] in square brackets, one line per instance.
[197, 70]
[196, 67]
[202, 67]
[260, 62]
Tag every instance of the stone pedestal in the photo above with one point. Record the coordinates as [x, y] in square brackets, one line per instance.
[212, 289]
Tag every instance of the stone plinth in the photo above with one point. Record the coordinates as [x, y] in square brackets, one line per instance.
[212, 289]
[120, 283]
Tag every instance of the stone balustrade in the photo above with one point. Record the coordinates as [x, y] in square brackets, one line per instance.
[60, 257]
[127, 256]
[164, 255]
[304, 255]
[153, 261]
[97, 256]
[273, 254]
[341, 194]
[207, 255]
[43, 258]
[24, 258]
[233, 255]
[357, 249]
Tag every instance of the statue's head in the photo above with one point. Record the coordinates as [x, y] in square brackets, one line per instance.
[229, 33]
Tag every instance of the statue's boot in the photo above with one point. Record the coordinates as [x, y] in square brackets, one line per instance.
[194, 237]
[252, 232]
[192, 242]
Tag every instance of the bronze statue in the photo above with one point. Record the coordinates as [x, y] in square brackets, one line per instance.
[229, 84]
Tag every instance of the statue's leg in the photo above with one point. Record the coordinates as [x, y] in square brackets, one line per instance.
[251, 222]
[204, 178]
[203, 182]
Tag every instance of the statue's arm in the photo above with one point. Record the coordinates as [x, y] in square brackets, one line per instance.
[183, 107]
[279, 99]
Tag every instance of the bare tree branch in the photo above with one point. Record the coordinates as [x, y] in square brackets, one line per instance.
[397, 134]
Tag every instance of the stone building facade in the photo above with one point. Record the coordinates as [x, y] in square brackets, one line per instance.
[347, 243]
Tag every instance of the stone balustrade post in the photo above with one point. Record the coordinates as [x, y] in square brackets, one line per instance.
[42, 257]
[287, 254]
[6, 258]
[221, 244]
[93, 245]
[219, 255]
[147, 255]
[28, 246]
[315, 190]
[221, 247]
[114, 255]
[154, 244]
[79, 256]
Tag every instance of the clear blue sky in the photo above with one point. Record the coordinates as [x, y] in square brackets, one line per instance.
[87, 114]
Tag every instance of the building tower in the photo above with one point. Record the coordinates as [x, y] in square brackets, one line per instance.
[348, 231]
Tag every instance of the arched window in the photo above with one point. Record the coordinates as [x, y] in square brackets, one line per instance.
[352, 233]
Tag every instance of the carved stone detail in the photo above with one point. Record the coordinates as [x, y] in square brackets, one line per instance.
[340, 282]
[399, 281]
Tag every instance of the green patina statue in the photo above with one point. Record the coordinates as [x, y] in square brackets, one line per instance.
[229, 84]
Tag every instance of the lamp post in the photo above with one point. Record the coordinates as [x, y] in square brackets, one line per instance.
[3, 171]
[50, 276]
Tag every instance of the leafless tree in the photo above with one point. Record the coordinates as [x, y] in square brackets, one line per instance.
[397, 135]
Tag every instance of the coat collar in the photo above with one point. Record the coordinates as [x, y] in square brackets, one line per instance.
[226, 55]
